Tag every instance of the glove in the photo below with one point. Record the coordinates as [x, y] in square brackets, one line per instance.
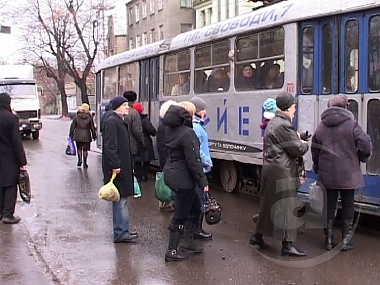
[305, 136]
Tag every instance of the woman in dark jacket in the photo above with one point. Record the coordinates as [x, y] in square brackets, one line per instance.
[81, 130]
[117, 158]
[145, 152]
[12, 160]
[279, 179]
[183, 169]
[338, 146]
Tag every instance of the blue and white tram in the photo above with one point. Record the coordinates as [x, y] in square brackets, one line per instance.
[312, 49]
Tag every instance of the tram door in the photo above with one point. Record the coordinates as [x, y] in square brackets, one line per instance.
[149, 83]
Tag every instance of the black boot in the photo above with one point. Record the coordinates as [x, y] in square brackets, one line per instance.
[257, 239]
[289, 249]
[85, 164]
[172, 253]
[190, 244]
[329, 235]
[79, 161]
[199, 233]
[346, 235]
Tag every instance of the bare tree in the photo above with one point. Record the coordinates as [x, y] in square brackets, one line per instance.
[63, 37]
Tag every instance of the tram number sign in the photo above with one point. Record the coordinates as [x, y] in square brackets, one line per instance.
[290, 87]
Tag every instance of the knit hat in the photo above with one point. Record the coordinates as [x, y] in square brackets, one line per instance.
[285, 100]
[5, 100]
[131, 96]
[199, 103]
[339, 100]
[138, 107]
[270, 108]
[165, 106]
[85, 107]
[117, 102]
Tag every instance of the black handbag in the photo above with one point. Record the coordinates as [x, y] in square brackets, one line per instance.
[24, 186]
[68, 151]
[213, 211]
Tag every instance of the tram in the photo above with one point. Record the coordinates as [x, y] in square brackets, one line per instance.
[312, 49]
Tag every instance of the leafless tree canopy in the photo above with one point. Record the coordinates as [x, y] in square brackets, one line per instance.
[63, 38]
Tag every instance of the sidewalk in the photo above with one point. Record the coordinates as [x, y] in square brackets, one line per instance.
[19, 262]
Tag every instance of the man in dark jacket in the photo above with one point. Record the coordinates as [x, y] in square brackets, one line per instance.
[117, 158]
[12, 160]
[134, 123]
[183, 170]
[338, 146]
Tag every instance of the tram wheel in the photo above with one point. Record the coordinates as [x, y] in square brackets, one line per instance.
[228, 176]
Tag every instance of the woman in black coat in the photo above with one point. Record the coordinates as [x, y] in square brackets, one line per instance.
[279, 179]
[12, 160]
[82, 129]
[338, 146]
[145, 152]
[183, 170]
[117, 158]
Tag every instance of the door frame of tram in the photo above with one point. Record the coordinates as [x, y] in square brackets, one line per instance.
[149, 91]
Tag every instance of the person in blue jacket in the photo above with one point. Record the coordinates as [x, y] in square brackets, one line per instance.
[200, 131]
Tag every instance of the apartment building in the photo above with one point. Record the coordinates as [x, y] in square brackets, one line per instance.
[117, 38]
[149, 21]
[213, 11]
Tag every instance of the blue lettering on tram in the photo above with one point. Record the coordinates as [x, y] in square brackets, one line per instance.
[222, 118]
[243, 120]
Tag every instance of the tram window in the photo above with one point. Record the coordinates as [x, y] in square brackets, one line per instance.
[307, 60]
[177, 73]
[373, 127]
[128, 75]
[260, 60]
[351, 72]
[213, 54]
[354, 108]
[327, 59]
[374, 54]
[109, 83]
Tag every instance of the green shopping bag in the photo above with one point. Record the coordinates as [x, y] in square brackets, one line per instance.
[136, 186]
[162, 192]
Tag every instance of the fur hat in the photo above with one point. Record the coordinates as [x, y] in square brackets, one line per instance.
[85, 107]
[131, 96]
[339, 100]
[117, 102]
[199, 103]
[138, 107]
[285, 100]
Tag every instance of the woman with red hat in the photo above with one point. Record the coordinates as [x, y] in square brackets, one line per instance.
[145, 152]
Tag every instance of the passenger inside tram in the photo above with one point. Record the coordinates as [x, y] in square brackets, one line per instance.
[183, 85]
[218, 81]
[247, 78]
[350, 73]
[274, 78]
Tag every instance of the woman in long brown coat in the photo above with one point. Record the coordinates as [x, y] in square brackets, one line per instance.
[279, 179]
[82, 129]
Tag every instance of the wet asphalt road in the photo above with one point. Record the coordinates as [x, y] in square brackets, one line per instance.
[65, 236]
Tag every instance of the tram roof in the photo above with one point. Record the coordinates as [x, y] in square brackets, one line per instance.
[265, 17]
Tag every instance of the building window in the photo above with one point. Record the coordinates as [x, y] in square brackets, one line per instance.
[131, 43]
[138, 41]
[130, 17]
[160, 5]
[144, 9]
[161, 31]
[152, 6]
[145, 38]
[186, 4]
[152, 35]
[186, 27]
[137, 13]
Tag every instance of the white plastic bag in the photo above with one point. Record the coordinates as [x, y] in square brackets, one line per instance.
[316, 198]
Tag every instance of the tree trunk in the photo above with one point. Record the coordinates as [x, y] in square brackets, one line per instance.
[83, 91]
[62, 91]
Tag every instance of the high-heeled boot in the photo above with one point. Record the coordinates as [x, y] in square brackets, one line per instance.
[347, 235]
[329, 235]
[172, 254]
[257, 239]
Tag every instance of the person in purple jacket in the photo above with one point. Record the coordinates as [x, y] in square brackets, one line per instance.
[338, 146]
